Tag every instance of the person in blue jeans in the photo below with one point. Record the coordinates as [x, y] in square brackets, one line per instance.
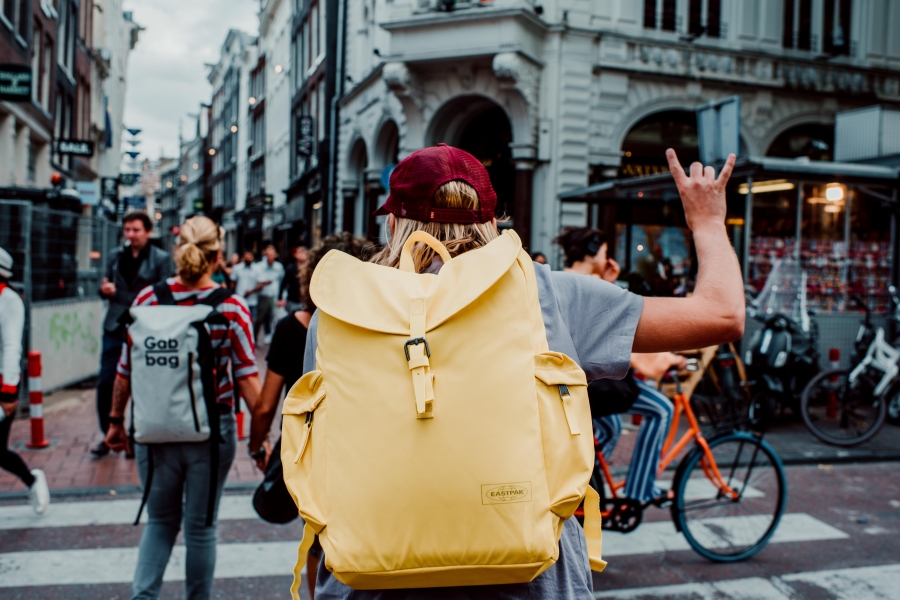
[180, 482]
[656, 412]
[585, 251]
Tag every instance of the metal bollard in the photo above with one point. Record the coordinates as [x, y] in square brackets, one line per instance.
[36, 401]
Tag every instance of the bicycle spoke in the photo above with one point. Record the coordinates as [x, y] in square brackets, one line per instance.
[717, 525]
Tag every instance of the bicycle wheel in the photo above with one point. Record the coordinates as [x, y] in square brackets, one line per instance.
[730, 526]
[839, 412]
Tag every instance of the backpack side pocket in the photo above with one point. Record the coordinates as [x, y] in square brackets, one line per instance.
[565, 428]
[304, 419]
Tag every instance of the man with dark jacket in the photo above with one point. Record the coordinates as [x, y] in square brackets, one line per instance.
[131, 268]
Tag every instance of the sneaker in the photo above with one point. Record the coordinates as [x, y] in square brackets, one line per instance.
[100, 450]
[39, 493]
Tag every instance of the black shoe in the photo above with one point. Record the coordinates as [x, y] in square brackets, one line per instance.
[100, 450]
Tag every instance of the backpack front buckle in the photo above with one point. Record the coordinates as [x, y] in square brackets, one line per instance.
[416, 342]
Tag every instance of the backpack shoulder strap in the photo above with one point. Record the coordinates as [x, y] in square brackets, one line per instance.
[216, 297]
[163, 293]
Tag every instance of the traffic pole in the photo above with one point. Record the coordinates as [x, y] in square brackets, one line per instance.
[36, 401]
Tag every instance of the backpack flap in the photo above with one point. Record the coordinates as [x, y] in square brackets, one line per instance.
[567, 429]
[340, 280]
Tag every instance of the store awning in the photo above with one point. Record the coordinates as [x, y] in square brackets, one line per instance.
[656, 188]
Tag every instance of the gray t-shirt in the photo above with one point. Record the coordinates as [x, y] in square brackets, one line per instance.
[591, 321]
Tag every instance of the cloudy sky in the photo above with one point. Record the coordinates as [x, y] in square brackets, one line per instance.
[166, 76]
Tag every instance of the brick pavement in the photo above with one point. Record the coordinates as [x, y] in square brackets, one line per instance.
[70, 421]
[70, 424]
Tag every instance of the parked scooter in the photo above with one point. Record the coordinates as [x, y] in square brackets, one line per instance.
[780, 359]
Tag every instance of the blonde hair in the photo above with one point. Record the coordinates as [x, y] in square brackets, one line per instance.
[199, 243]
[456, 237]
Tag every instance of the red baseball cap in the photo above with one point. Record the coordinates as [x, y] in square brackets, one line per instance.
[417, 177]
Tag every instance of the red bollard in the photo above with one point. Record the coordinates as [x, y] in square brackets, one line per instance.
[239, 418]
[36, 401]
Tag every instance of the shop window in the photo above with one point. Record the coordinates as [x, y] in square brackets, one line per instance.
[797, 31]
[836, 27]
[644, 148]
[869, 253]
[705, 22]
[823, 247]
[774, 222]
[655, 249]
[811, 140]
[659, 14]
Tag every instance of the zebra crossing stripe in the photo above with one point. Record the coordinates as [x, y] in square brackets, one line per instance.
[116, 565]
[660, 536]
[876, 583]
[105, 512]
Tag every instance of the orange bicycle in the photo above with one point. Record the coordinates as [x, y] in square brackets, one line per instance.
[730, 490]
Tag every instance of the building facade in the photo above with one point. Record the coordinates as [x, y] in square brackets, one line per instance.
[228, 126]
[75, 56]
[271, 164]
[557, 95]
[28, 32]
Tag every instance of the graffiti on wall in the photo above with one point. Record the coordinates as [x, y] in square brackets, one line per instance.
[69, 330]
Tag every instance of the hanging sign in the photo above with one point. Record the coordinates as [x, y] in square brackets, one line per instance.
[305, 136]
[15, 82]
[75, 147]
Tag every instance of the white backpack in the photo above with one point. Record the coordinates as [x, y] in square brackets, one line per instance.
[173, 378]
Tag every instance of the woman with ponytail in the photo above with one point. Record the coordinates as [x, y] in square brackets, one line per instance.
[181, 471]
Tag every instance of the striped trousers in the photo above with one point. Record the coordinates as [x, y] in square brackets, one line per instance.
[656, 410]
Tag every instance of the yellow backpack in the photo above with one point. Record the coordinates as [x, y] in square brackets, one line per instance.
[439, 442]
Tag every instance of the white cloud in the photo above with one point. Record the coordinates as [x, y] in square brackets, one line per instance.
[166, 72]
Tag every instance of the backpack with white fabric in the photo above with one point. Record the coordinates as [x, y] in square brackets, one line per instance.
[173, 378]
[439, 442]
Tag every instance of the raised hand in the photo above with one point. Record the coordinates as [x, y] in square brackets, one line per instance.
[702, 193]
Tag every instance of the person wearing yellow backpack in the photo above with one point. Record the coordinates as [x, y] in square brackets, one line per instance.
[461, 484]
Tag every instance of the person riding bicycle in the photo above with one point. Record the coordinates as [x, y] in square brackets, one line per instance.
[586, 253]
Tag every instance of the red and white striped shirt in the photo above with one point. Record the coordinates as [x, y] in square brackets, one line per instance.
[234, 342]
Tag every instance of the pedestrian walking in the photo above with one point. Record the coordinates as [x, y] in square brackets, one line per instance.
[290, 292]
[447, 194]
[244, 276]
[12, 322]
[269, 275]
[180, 478]
[130, 269]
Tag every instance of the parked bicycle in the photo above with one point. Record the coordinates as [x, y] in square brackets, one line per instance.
[730, 490]
[846, 407]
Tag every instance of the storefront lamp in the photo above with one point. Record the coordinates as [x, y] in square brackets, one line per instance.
[212, 151]
[278, 68]
[252, 100]
[184, 177]
[234, 129]
[761, 187]
[834, 192]
[640, 248]
[158, 216]
[833, 208]
[168, 184]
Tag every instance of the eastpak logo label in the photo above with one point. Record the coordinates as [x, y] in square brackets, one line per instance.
[506, 493]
